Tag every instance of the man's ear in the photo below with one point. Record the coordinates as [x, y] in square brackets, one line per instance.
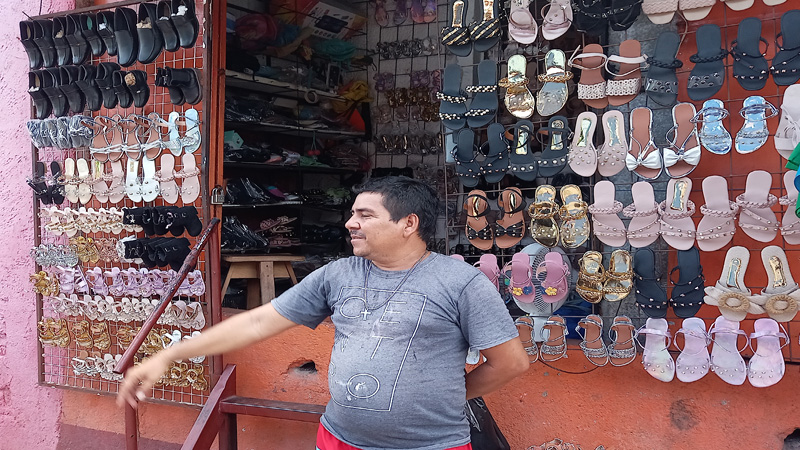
[411, 225]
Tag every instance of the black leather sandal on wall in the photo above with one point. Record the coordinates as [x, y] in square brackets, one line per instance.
[708, 74]
[785, 67]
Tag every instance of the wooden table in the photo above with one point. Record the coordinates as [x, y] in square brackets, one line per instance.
[260, 272]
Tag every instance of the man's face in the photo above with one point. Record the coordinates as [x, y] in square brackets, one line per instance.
[372, 232]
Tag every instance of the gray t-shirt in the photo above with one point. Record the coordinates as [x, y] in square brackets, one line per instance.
[397, 368]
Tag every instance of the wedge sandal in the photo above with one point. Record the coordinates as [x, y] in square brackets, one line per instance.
[785, 67]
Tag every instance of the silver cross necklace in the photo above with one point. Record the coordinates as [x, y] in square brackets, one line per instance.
[366, 311]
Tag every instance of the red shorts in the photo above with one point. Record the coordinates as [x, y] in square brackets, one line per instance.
[327, 441]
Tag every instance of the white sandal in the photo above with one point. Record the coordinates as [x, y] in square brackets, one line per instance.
[726, 359]
[656, 358]
[694, 361]
[766, 366]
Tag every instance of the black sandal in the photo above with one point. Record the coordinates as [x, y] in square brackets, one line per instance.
[623, 14]
[687, 294]
[786, 64]
[496, 164]
[39, 184]
[591, 16]
[662, 83]
[650, 296]
[708, 74]
[553, 158]
[467, 168]
[749, 65]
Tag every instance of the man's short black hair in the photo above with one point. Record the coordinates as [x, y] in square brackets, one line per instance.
[403, 196]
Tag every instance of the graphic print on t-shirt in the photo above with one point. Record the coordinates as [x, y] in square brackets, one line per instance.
[372, 341]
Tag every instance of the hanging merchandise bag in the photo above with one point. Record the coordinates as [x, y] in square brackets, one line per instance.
[483, 430]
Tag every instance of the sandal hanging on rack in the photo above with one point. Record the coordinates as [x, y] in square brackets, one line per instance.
[553, 158]
[552, 97]
[542, 212]
[554, 346]
[510, 228]
[518, 98]
[486, 33]
[478, 230]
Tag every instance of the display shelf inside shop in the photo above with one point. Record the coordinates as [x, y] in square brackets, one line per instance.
[294, 130]
[270, 86]
[287, 168]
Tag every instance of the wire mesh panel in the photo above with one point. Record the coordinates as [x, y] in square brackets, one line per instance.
[99, 313]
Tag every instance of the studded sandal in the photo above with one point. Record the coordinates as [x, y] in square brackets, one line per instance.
[750, 68]
[452, 108]
[650, 296]
[687, 293]
[478, 230]
[656, 358]
[608, 227]
[694, 361]
[790, 223]
[662, 82]
[784, 68]
[717, 227]
[676, 225]
[592, 339]
[757, 219]
[510, 227]
[708, 74]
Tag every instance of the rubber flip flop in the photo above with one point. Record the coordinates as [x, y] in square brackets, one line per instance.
[779, 299]
[486, 33]
[708, 74]
[644, 227]
[496, 163]
[510, 227]
[730, 294]
[552, 97]
[608, 227]
[625, 84]
[696, 9]
[611, 154]
[790, 224]
[766, 366]
[452, 107]
[757, 219]
[643, 158]
[552, 275]
[478, 230]
[726, 358]
[553, 158]
[660, 11]
[682, 155]
[662, 83]
[677, 227]
[688, 291]
[521, 278]
[488, 265]
[694, 362]
[713, 134]
[787, 136]
[750, 68]
[582, 153]
[592, 85]
[521, 25]
[717, 227]
[483, 106]
[656, 357]
[785, 66]
[523, 163]
[456, 36]
[754, 132]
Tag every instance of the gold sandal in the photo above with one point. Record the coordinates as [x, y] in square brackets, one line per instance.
[591, 277]
[519, 99]
[542, 211]
[619, 276]
[574, 221]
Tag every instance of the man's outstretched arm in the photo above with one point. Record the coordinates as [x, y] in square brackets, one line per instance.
[236, 332]
[503, 363]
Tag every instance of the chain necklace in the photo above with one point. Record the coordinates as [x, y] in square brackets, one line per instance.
[396, 289]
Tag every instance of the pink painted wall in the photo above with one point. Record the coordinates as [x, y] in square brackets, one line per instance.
[29, 413]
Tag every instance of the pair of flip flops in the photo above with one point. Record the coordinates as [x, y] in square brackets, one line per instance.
[495, 163]
[687, 293]
[453, 110]
[574, 229]
[481, 36]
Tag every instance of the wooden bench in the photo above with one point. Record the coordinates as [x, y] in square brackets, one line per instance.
[260, 272]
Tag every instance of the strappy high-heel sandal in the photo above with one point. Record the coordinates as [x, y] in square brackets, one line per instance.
[592, 339]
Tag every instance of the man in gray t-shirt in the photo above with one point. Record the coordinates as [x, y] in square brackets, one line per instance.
[404, 319]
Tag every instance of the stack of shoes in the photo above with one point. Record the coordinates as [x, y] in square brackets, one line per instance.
[243, 191]
[158, 220]
[239, 238]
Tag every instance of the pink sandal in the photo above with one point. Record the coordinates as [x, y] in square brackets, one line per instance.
[521, 278]
[555, 285]
[608, 227]
[694, 361]
[757, 219]
[644, 227]
[790, 230]
[677, 227]
[716, 228]
[488, 265]
[766, 366]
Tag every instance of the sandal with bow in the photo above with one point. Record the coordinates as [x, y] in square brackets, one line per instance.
[510, 228]
[680, 161]
[478, 230]
[643, 157]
